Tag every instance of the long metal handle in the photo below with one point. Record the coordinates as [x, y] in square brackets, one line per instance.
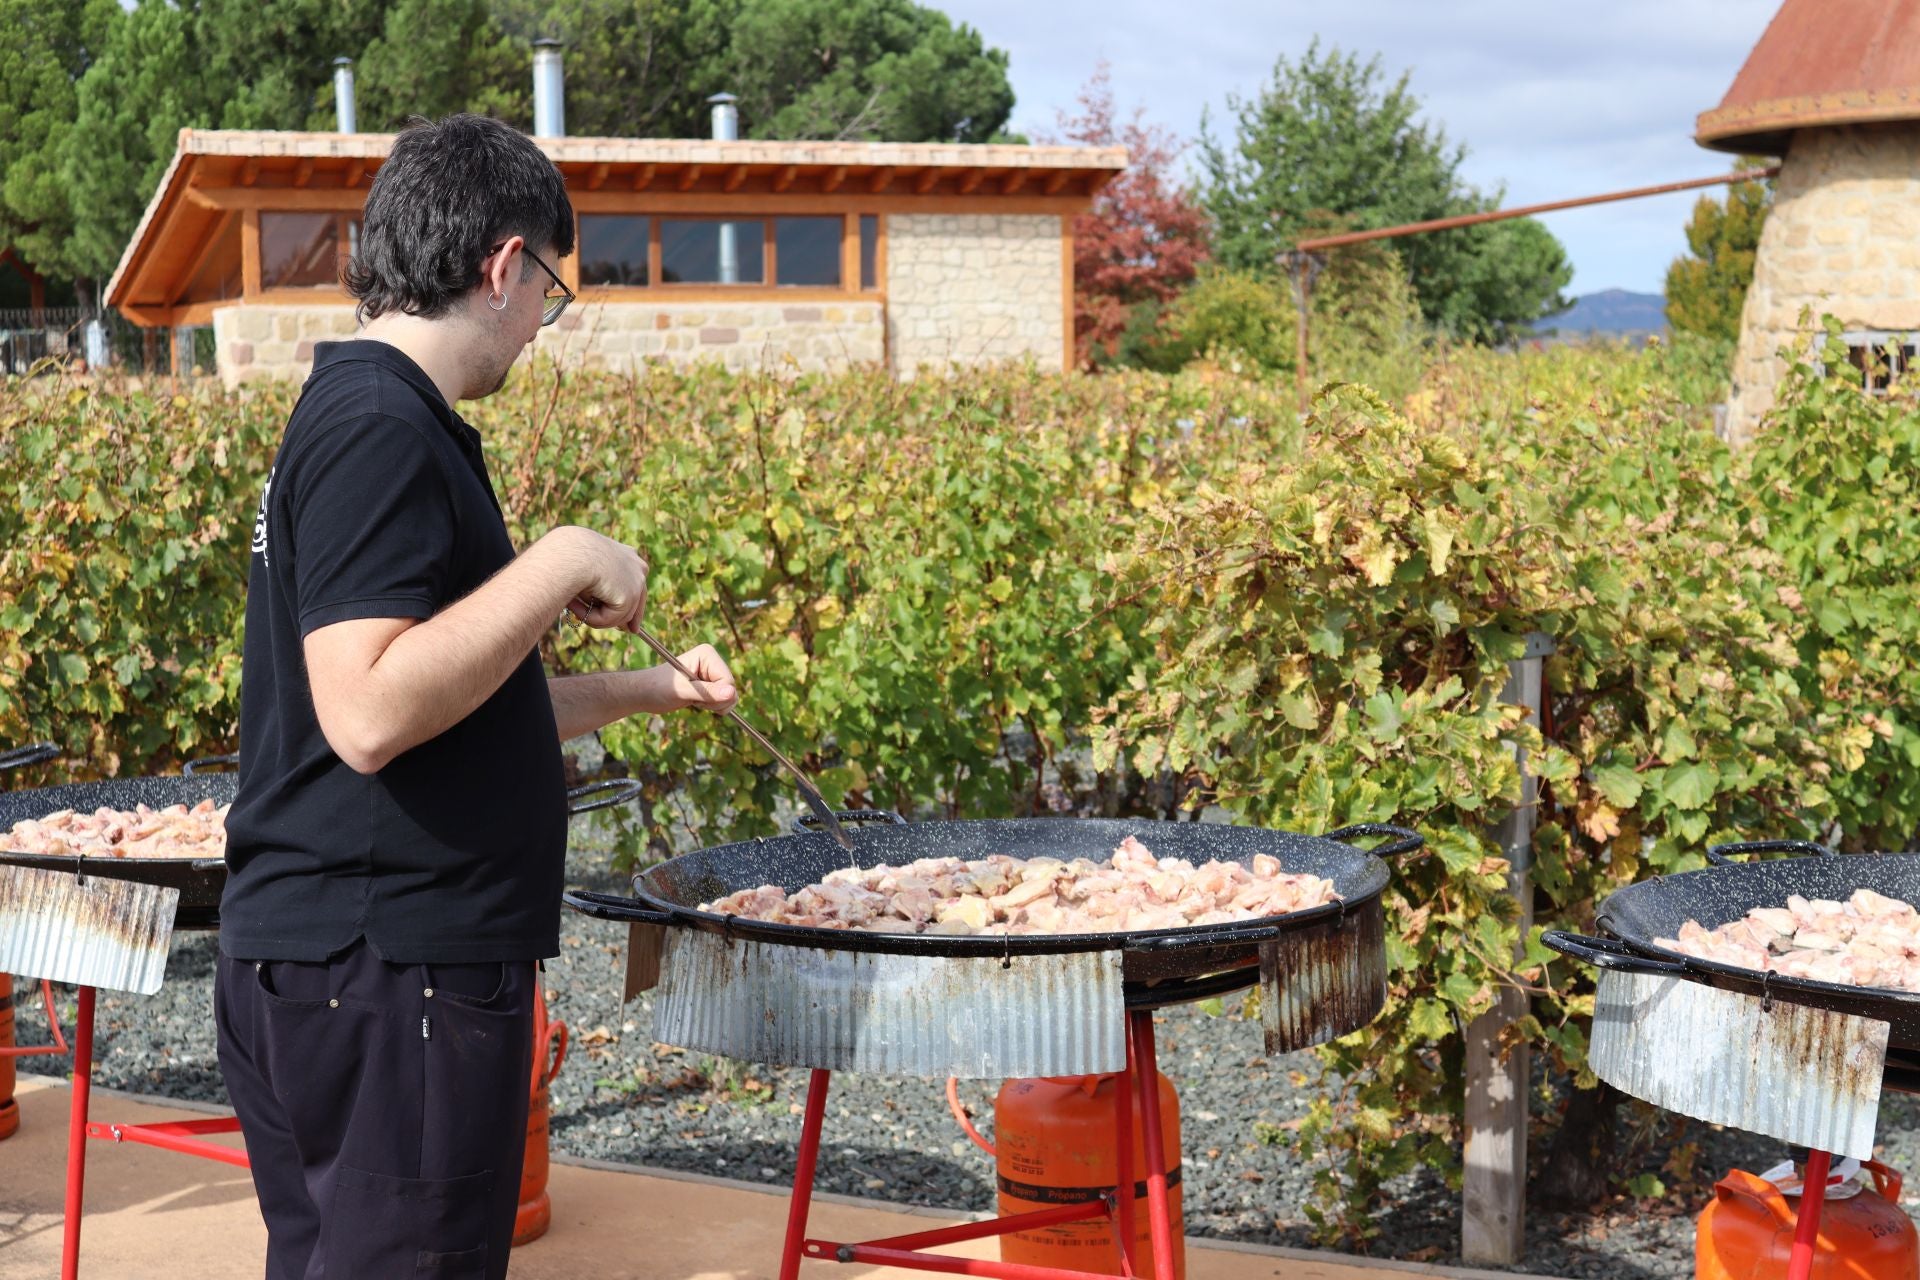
[34, 753]
[808, 792]
[1717, 854]
[1404, 840]
[607, 906]
[1605, 953]
[192, 767]
[601, 795]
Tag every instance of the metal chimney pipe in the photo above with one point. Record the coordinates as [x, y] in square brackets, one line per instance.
[726, 117]
[343, 95]
[549, 91]
[726, 128]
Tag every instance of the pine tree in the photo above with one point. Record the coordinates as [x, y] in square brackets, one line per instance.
[1706, 290]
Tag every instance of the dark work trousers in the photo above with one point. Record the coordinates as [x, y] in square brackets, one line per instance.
[384, 1108]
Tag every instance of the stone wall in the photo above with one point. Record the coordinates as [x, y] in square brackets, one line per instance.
[255, 342]
[1843, 238]
[974, 288]
[740, 335]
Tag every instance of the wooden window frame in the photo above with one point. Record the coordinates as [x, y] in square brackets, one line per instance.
[253, 268]
[658, 290]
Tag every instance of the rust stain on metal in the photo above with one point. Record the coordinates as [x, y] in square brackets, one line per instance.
[1820, 63]
[975, 1017]
[89, 930]
[1789, 1071]
[1319, 984]
[644, 944]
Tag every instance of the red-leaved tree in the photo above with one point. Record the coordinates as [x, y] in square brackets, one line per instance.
[1145, 236]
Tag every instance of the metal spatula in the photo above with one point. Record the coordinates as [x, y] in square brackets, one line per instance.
[808, 792]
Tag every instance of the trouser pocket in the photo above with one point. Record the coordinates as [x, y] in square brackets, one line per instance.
[422, 1228]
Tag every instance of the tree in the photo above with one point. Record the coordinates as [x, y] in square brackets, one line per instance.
[274, 58]
[1705, 291]
[436, 57]
[634, 68]
[1143, 240]
[130, 106]
[882, 70]
[49, 50]
[1328, 134]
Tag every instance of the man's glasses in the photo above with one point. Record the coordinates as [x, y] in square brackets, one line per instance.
[557, 295]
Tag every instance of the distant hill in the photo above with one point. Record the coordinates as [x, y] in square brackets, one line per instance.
[1610, 311]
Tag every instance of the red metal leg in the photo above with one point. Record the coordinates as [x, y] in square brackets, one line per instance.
[77, 1134]
[803, 1175]
[961, 1266]
[1159, 1214]
[1123, 1166]
[1807, 1229]
[178, 1135]
[1033, 1221]
[59, 1045]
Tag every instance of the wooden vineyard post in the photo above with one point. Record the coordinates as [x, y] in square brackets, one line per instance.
[1494, 1196]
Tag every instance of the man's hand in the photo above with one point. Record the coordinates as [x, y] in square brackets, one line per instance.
[613, 593]
[712, 688]
[584, 703]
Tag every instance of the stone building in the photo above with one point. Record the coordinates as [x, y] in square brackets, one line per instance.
[1833, 88]
[815, 254]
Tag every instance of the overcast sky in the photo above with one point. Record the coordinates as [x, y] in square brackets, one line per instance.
[1553, 100]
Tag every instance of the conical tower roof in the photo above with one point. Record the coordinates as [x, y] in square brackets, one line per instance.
[1820, 62]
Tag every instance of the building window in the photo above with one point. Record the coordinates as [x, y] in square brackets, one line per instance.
[869, 251]
[807, 251]
[1880, 358]
[613, 248]
[642, 251]
[300, 250]
[712, 251]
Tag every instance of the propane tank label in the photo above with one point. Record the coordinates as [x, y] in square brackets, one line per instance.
[1075, 1195]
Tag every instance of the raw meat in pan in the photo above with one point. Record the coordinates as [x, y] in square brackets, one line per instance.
[1133, 890]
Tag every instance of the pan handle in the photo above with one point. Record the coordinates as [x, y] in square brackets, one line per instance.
[1717, 854]
[808, 822]
[32, 753]
[191, 767]
[609, 906]
[1605, 953]
[1405, 841]
[608, 792]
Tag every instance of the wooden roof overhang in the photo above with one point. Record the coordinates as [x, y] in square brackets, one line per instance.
[215, 173]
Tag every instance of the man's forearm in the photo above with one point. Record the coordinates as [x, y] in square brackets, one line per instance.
[435, 674]
[582, 704]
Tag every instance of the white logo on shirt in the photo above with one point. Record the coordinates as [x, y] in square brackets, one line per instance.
[260, 522]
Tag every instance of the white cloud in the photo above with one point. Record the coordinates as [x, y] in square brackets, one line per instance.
[1552, 100]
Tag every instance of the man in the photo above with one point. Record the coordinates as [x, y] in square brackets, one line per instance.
[395, 852]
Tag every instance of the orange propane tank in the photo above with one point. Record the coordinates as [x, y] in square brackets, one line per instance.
[535, 1214]
[9, 1109]
[1746, 1231]
[1056, 1144]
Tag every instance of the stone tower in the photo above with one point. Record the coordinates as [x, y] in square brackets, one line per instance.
[1833, 88]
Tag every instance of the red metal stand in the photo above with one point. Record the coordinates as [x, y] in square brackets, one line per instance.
[1806, 1230]
[177, 1135]
[908, 1251]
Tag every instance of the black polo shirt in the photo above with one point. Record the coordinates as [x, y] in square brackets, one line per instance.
[379, 506]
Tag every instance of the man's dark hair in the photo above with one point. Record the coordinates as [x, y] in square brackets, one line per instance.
[449, 191]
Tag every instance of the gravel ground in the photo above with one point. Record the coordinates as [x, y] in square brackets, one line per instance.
[623, 1097]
